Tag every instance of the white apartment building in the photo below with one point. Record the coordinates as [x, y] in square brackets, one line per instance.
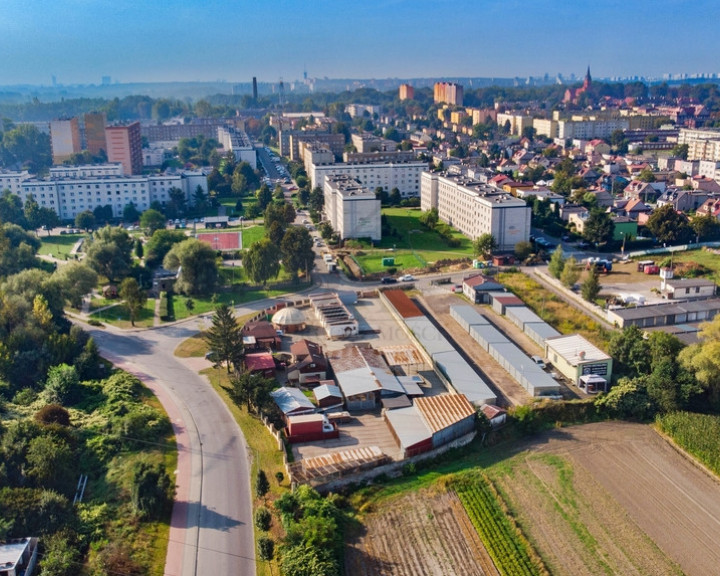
[239, 143]
[405, 176]
[518, 122]
[353, 210]
[475, 208]
[709, 169]
[589, 128]
[86, 170]
[12, 181]
[69, 196]
[702, 144]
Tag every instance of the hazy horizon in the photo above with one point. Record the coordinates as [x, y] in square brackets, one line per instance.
[80, 41]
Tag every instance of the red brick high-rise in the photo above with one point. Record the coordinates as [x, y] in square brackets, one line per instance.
[124, 145]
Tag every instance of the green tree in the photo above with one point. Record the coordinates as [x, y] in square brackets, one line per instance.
[290, 213]
[61, 554]
[11, 209]
[196, 263]
[224, 338]
[591, 285]
[484, 245]
[139, 250]
[262, 485]
[151, 221]
[75, 280]
[316, 201]
[266, 548]
[646, 175]
[262, 261]
[27, 146]
[297, 250]
[668, 226]
[178, 201]
[103, 215]
[557, 263]
[50, 463]
[703, 361]
[523, 250]
[110, 252]
[264, 197]
[62, 384]
[133, 296]
[706, 227]
[326, 230]
[630, 351]
[599, 227]
[131, 213]
[681, 151]
[570, 273]
[151, 491]
[160, 244]
[85, 220]
[395, 198]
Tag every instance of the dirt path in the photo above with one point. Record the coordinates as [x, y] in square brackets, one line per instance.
[423, 533]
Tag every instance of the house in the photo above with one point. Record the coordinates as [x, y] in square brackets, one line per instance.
[362, 376]
[711, 207]
[640, 191]
[264, 334]
[308, 363]
[476, 287]
[292, 401]
[260, 363]
[705, 184]
[625, 228]
[328, 395]
[574, 356]
[163, 281]
[685, 288]
[18, 557]
[634, 208]
[597, 146]
[682, 200]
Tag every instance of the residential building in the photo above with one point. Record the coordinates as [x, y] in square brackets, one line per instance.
[406, 92]
[124, 145]
[396, 173]
[95, 133]
[290, 140]
[12, 180]
[353, 210]
[65, 139]
[702, 144]
[238, 142]
[685, 288]
[476, 288]
[356, 110]
[308, 363]
[449, 93]
[517, 122]
[206, 127]
[475, 209]
[590, 127]
[370, 143]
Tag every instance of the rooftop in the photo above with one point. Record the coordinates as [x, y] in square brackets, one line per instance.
[576, 349]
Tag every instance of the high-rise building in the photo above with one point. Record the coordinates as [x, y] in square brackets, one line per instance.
[65, 139]
[407, 92]
[124, 145]
[95, 133]
[449, 93]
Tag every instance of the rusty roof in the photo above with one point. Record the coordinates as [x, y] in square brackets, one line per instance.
[402, 303]
[444, 410]
[402, 355]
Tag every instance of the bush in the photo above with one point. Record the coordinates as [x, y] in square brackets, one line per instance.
[266, 548]
[94, 322]
[279, 476]
[25, 397]
[263, 519]
[53, 414]
[262, 486]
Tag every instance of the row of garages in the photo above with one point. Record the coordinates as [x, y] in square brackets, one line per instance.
[511, 358]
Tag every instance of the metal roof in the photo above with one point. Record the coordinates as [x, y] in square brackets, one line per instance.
[523, 314]
[430, 337]
[327, 391]
[409, 426]
[444, 410]
[362, 369]
[468, 314]
[291, 399]
[402, 355]
[411, 384]
[576, 349]
[463, 378]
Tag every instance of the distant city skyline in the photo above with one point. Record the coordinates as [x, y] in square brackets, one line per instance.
[82, 41]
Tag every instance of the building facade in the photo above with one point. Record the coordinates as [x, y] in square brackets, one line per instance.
[405, 176]
[124, 145]
[702, 144]
[95, 133]
[406, 92]
[448, 93]
[475, 209]
[353, 211]
[65, 139]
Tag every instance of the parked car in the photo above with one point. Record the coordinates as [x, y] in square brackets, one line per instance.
[539, 361]
[388, 280]
[407, 278]
[457, 288]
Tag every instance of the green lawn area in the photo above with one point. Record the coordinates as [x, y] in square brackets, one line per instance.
[412, 245]
[58, 245]
[252, 234]
[704, 257]
[119, 316]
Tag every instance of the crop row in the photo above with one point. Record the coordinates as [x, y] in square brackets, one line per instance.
[699, 434]
[506, 546]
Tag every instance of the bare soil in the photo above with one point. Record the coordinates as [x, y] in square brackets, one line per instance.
[425, 533]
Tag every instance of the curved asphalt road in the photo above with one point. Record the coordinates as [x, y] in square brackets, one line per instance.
[211, 528]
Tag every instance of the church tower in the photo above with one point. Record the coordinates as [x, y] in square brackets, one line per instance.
[588, 79]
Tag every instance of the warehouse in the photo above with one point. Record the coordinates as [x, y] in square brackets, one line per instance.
[524, 371]
[486, 335]
[463, 379]
[538, 332]
[665, 314]
[573, 356]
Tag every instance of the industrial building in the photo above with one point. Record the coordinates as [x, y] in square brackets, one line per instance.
[573, 356]
[334, 317]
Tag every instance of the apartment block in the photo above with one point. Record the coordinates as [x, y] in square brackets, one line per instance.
[405, 176]
[518, 122]
[239, 143]
[406, 92]
[702, 144]
[95, 133]
[352, 209]
[449, 93]
[475, 209]
[124, 145]
[65, 139]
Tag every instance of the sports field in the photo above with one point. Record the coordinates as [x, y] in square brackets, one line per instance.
[222, 240]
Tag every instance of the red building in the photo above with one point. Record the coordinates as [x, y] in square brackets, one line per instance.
[124, 145]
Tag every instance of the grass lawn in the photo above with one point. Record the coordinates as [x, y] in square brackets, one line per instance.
[252, 234]
[119, 315]
[556, 312]
[58, 245]
[413, 246]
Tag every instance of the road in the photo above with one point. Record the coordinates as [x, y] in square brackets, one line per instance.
[211, 529]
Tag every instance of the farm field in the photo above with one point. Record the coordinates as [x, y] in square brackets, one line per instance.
[418, 534]
[603, 498]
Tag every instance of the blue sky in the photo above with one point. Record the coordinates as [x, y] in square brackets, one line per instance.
[79, 41]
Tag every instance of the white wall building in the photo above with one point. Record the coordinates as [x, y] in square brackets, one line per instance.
[703, 144]
[11, 180]
[405, 176]
[353, 210]
[475, 209]
[239, 143]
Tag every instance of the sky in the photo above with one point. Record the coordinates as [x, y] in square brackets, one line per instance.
[80, 41]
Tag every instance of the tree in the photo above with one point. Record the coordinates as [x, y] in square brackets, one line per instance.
[264, 197]
[316, 201]
[110, 252]
[224, 338]
[139, 250]
[681, 151]
[630, 351]
[297, 250]
[133, 296]
[599, 227]
[290, 213]
[53, 414]
[591, 286]
[50, 463]
[326, 230]
[76, 280]
[11, 209]
[395, 198]
[160, 244]
[151, 491]
[484, 245]
[703, 360]
[557, 263]
[61, 556]
[178, 201]
[570, 273]
[196, 263]
[131, 213]
[523, 250]
[262, 485]
[706, 227]
[262, 261]
[85, 220]
[646, 175]
[103, 214]
[266, 548]
[668, 226]
[251, 390]
[151, 221]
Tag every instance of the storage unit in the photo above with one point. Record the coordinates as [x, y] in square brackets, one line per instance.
[523, 369]
[310, 428]
[485, 335]
[328, 396]
[463, 378]
[428, 335]
[448, 416]
[519, 315]
[292, 401]
[467, 316]
[538, 332]
[502, 300]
